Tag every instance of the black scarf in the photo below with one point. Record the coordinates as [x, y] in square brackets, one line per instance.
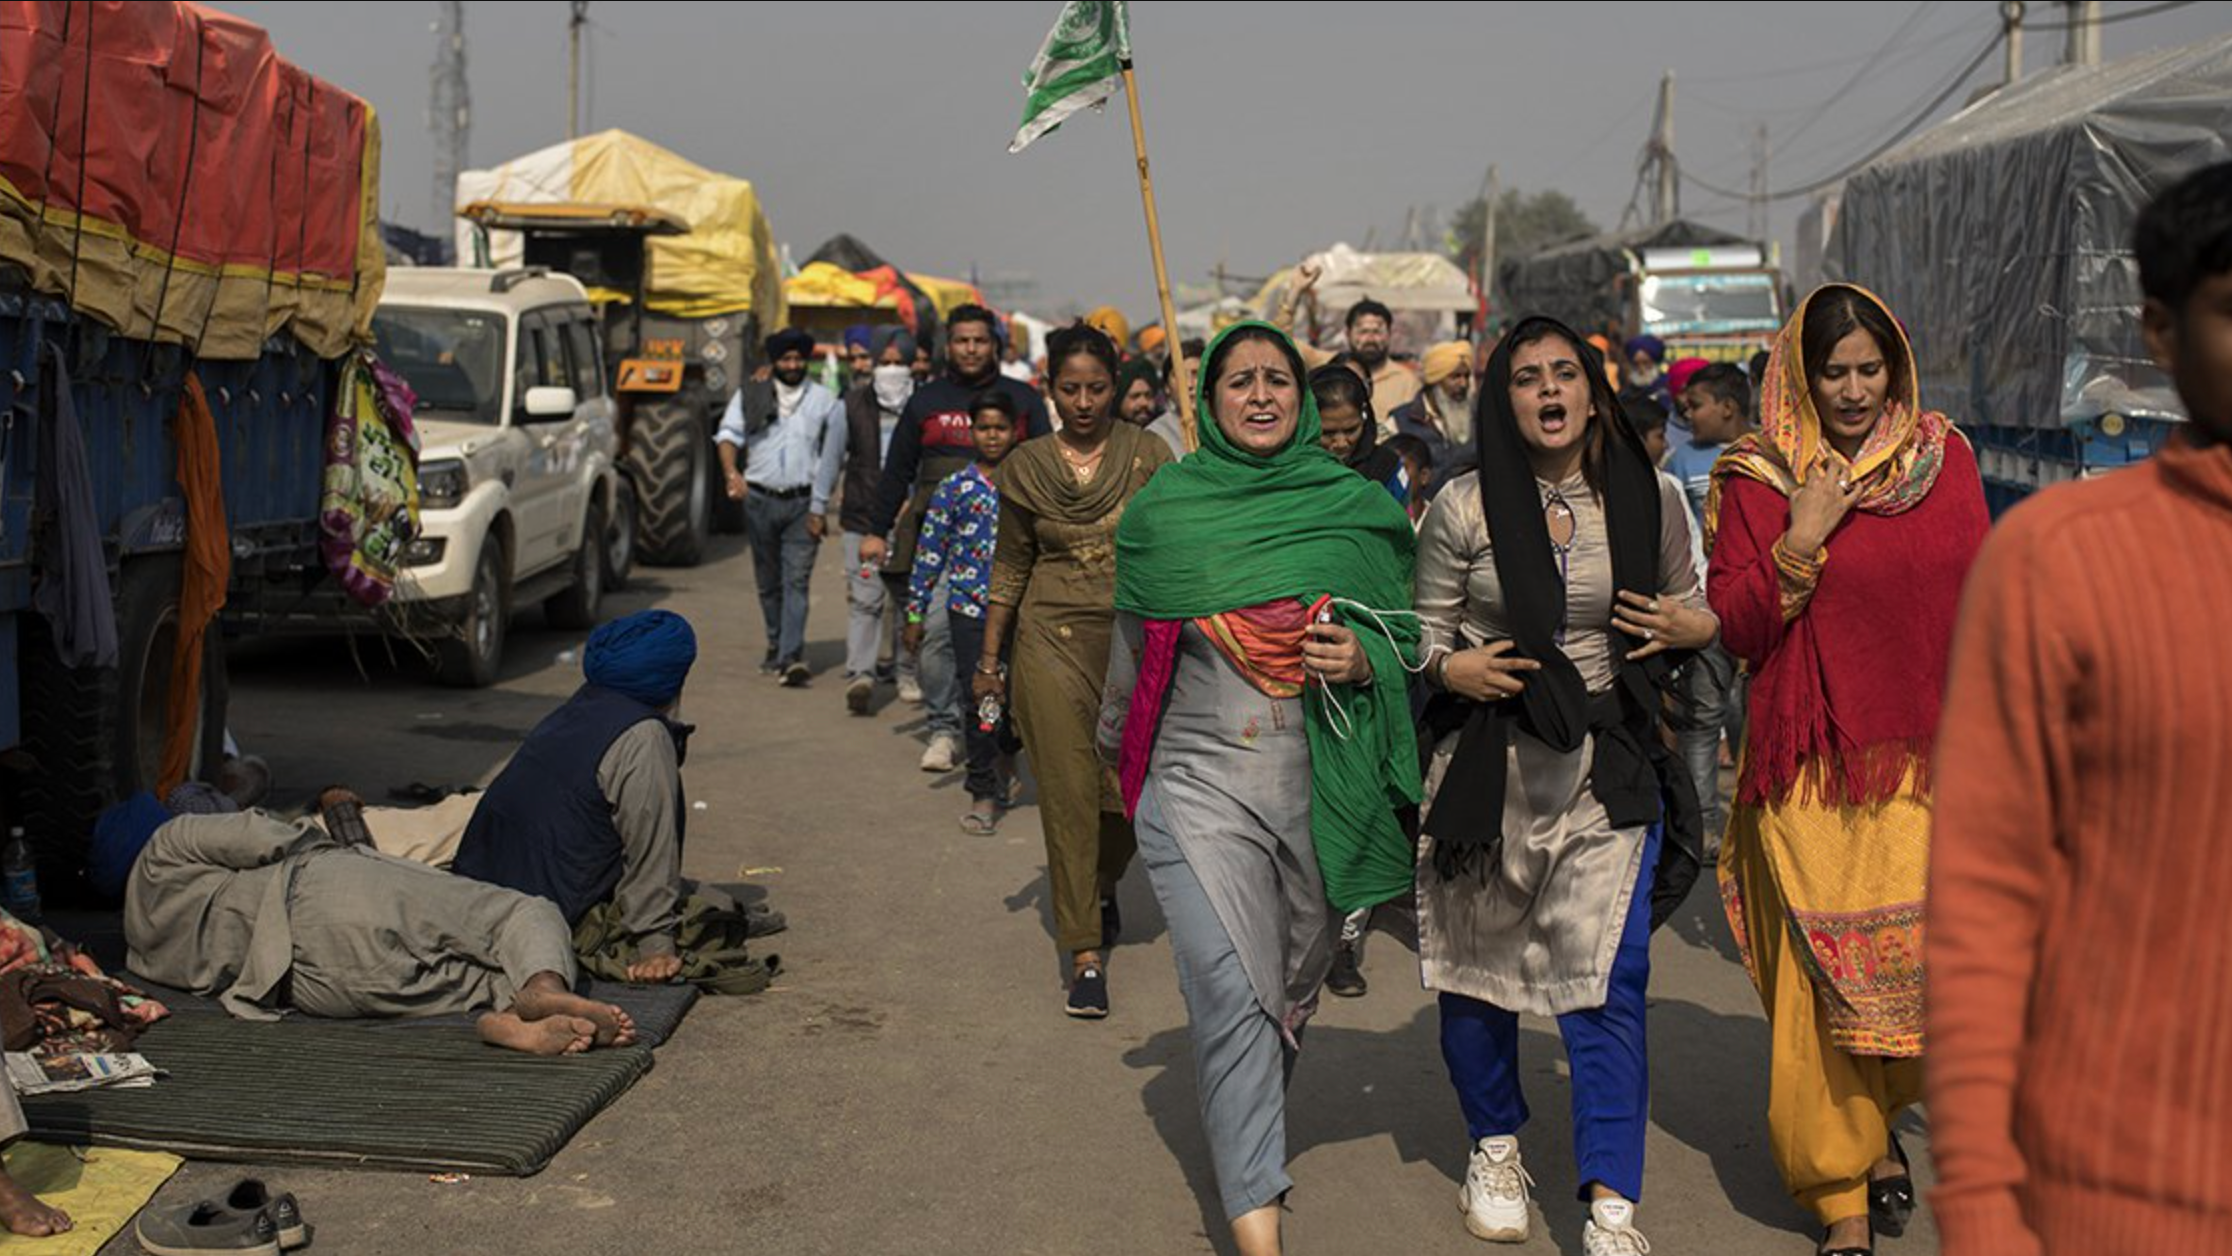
[1634, 776]
[1370, 459]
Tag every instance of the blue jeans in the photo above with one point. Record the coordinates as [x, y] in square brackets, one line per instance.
[782, 563]
[985, 745]
[1605, 1047]
[864, 611]
[1713, 695]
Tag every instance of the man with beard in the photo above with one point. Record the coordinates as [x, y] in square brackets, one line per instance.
[1441, 417]
[934, 439]
[1371, 329]
[792, 432]
[872, 409]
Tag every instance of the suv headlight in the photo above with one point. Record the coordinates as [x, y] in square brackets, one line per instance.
[442, 483]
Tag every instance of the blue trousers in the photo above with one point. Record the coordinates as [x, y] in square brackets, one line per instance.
[985, 745]
[1605, 1047]
[782, 565]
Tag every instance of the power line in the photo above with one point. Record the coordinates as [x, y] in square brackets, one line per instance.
[2127, 15]
[1820, 111]
[1912, 125]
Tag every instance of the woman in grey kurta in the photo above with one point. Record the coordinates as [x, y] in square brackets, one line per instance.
[1232, 568]
[1558, 575]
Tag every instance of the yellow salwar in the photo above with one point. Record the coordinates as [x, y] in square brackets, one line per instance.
[1831, 1100]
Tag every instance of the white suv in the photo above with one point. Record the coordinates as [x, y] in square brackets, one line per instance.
[520, 498]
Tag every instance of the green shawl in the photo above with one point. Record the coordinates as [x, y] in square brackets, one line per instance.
[1226, 529]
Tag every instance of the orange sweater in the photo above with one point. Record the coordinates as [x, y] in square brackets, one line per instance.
[2080, 959]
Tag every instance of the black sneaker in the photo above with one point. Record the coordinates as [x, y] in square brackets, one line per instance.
[768, 667]
[1347, 978]
[860, 692]
[1112, 921]
[1088, 994]
[795, 676]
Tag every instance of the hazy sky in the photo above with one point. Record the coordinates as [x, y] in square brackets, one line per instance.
[1274, 129]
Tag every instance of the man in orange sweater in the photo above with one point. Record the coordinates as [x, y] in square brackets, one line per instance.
[2080, 968]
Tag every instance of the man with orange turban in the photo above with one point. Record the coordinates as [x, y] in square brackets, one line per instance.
[1441, 415]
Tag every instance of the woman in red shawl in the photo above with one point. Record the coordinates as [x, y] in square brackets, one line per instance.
[1845, 526]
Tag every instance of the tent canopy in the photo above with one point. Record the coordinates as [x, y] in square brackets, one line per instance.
[725, 265]
[1401, 281]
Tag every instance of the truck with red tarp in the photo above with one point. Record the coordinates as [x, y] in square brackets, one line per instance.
[189, 260]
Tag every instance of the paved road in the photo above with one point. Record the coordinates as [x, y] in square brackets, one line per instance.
[910, 1085]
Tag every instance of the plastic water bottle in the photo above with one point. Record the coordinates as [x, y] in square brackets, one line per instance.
[988, 713]
[19, 877]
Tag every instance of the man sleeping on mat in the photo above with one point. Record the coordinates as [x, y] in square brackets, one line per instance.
[274, 914]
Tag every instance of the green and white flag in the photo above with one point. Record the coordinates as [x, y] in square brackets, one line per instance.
[1080, 66]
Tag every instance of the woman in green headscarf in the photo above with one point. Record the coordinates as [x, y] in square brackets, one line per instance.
[1256, 705]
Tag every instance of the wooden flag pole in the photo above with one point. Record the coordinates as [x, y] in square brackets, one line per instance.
[1181, 379]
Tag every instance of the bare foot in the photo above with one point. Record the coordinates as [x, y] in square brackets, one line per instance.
[22, 1213]
[549, 1035]
[615, 1028]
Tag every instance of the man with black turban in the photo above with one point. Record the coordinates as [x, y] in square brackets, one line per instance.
[591, 810]
[781, 445]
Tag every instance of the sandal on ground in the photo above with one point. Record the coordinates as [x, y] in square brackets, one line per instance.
[981, 823]
[1891, 1199]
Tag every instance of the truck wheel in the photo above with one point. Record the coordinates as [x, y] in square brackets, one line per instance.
[97, 733]
[471, 655]
[728, 514]
[668, 457]
[576, 605]
[620, 536]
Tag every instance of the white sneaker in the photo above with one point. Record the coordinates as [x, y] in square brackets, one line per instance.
[1611, 1230]
[1494, 1196]
[910, 690]
[943, 755]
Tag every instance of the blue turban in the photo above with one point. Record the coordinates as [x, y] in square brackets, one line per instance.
[789, 340]
[893, 334]
[1650, 346]
[646, 656]
[859, 336]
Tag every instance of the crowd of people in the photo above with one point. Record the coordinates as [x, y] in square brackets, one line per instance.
[1514, 649]
[1339, 636]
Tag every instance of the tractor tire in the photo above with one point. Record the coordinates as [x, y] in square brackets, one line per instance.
[97, 733]
[669, 457]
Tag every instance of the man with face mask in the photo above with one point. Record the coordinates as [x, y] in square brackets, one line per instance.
[872, 410]
[1441, 416]
[792, 432]
[935, 438]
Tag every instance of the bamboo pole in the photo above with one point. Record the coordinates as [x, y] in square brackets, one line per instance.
[1181, 378]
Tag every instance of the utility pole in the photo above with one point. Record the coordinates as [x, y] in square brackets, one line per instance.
[574, 24]
[1491, 193]
[1756, 221]
[1666, 198]
[449, 113]
[2083, 47]
[2011, 24]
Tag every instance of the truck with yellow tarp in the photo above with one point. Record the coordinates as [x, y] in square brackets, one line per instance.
[681, 263]
[189, 260]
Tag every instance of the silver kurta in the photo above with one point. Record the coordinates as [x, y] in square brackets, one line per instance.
[1540, 931]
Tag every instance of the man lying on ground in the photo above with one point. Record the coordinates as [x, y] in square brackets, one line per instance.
[271, 914]
[20, 1210]
[590, 809]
